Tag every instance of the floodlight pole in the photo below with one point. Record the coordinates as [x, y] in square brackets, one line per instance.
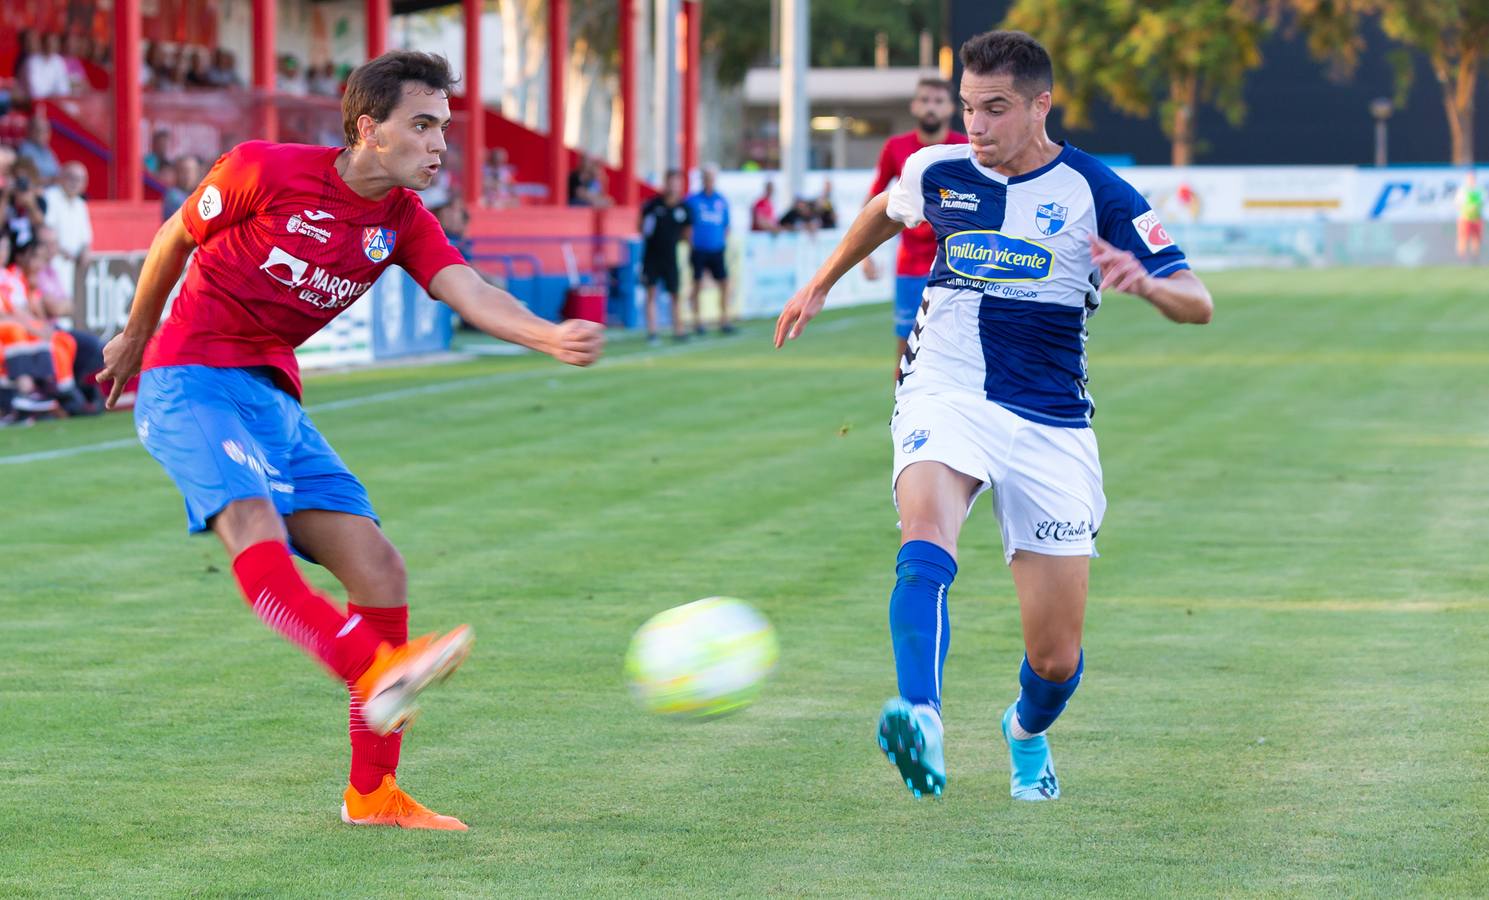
[475, 130]
[795, 51]
[128, 161]
[664, 86]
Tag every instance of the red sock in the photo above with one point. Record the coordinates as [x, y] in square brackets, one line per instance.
[374, 756]
[273, 587]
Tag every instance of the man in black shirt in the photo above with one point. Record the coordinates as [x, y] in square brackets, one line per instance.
[665, 221]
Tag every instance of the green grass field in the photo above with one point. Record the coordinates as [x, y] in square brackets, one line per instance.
[1286, 646]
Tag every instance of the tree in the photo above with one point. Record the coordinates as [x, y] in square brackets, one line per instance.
[1453, 34]
[1137, 54]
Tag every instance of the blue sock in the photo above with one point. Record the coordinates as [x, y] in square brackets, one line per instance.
[1041, 701]
[918, 620]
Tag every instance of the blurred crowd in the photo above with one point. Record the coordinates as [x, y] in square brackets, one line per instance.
[804, 213]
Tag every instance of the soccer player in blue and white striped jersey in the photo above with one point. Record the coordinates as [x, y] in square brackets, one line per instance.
[992, 391]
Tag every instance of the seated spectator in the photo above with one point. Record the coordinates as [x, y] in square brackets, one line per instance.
[454, 218]
[763, 213]
[44, 74]
[50, 304]
[7, 171]
[322, 81]
[499, 180]
[37, 147]
[224, 71]
[198, 71]
[67, 213]
[154, 66]
[587, 184]
[159, 156]
[76, 58]
[37, 358]
[800, 217]
[28, 44]
[187, 172]
[291, 80]
[826, 215]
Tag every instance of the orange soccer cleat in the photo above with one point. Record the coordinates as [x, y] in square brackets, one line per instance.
[389, 805]
[390, 687]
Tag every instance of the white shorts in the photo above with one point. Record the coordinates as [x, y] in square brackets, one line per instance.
[1046, 481]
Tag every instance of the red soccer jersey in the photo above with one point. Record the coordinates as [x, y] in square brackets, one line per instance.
[283, 247]
[918, 244]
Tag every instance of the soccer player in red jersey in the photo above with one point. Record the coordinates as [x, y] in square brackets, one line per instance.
[287, 237]
[932, 106]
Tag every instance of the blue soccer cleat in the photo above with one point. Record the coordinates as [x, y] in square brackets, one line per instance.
[911, 740]
[1033, 775]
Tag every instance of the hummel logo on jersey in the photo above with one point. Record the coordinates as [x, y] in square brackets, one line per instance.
[957, 200]
[995, 256]
[1151, 231]
[297, 225]
[377, 243]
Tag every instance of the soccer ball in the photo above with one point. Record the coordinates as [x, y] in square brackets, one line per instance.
[703, 659]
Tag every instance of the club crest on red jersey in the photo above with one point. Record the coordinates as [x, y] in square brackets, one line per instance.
[377, 243]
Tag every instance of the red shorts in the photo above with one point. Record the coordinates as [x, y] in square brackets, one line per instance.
[1471, 229]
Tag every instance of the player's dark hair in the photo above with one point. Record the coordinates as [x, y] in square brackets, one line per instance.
[939, 84]
[374, 88]
[1010, 53]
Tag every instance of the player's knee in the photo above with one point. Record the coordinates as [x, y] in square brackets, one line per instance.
[391, 573]
[1054, 663]
[932, 532]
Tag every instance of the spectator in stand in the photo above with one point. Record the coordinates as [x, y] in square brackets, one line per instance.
[800, 217]
[454, 219]
[49, 303]
[37, 147]
[156, 66]
[67, 213]
[45, 73]
[291, 80]
[763, 213]
[709, 211]
[34, 352]
[7, 173]
[224, 70]
[26, 212]
[587, 183]
[323, 81]
[28, 45]
[159, 156]
[199, 72]
[188, 174]
[499, 180]
[168, 77]
[827, 215]
[79, 50]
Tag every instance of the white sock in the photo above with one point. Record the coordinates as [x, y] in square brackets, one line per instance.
[930, 711]
[1017, 730]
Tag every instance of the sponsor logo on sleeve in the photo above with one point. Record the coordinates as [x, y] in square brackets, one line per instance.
[209, 205]
[1151, 231]
[995, 256]
[957, 200]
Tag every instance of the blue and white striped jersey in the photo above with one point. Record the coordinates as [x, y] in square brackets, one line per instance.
[1013, 283]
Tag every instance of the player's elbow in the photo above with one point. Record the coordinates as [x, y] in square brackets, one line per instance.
[1202, 311]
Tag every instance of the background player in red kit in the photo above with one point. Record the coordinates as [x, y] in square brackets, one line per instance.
[286, 237]
[933, 106]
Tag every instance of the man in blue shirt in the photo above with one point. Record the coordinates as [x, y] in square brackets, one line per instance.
[710, 213]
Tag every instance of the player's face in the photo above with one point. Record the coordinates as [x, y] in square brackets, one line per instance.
[931, 107]
[1001, 122]
[411, 141]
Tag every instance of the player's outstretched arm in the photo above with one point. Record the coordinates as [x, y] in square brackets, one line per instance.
[872, 228]
[577, 342]
[122, 356]
[1181, 297]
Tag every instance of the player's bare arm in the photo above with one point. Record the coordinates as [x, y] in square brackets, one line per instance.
[577, 342]
[169, 250]
[1180, 297]
[872, 228]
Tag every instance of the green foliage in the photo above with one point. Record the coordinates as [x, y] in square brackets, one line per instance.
[1146, 55]
[737, 32]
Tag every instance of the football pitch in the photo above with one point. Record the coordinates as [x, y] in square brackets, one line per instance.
[1287, 638]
